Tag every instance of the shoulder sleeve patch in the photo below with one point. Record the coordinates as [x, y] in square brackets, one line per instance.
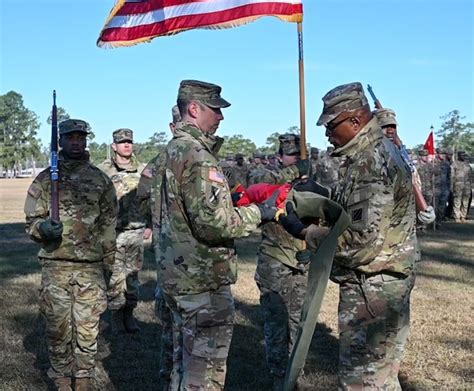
[34, 191]
[147, 173]
[216, 176]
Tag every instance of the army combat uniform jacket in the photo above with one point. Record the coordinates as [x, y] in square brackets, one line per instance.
[87, 209]
[376, 190]
[194, 222]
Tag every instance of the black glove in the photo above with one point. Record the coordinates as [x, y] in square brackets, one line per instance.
[268, 209]
[303, 167]
[50, 230]
[304, 256]
[311, 186]
[236, 197]
[291, 222]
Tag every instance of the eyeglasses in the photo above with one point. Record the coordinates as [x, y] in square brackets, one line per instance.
[331, 126]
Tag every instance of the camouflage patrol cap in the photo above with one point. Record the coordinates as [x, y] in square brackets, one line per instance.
[239, 156]
[73, 125]
[259, 155]
[314, 150]
[175, 114]
[346, 97]
[386, 117]
[423, 152]
[206, 93]
[462, 153]
[289, 144]
[123, 134]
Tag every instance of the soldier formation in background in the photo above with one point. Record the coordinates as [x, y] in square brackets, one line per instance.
[189, 200]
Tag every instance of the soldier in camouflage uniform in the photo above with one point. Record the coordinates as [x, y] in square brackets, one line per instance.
[161, 309]
[374, 262]
[425, 171]
[282, 273]
[327, 168]
[461, 174]
[194, 224]
[241, 170]
[442, 183]
[74, 252]
[124, 170]
[314, 157]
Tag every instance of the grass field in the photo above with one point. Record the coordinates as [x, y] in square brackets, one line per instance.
[439, 354]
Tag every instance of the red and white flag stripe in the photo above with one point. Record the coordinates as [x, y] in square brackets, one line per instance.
[135, 21]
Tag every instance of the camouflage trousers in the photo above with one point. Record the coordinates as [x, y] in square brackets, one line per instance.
[374, 321]
[166, 354]
[72, 299]
[441, 199]
[461, 203]
[123, 284]
[282, 291]
[202, 332]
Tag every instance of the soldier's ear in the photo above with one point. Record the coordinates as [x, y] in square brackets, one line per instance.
[193, 109]
[60, 141]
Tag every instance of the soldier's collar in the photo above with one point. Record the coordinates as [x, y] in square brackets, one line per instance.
[212, 142]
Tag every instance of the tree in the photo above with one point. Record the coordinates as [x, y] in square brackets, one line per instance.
[18, 130]
[272, 144]
[456, 135]
[155, 145]
[98, 152]
[237, 144]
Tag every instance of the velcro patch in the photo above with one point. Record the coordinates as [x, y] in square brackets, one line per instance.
[147, 173]
[34, 191]
[357, 215]
[216, 176]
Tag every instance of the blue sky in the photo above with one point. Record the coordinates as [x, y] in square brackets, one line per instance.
[416, 54]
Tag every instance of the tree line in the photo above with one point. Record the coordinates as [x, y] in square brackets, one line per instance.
[21, 148]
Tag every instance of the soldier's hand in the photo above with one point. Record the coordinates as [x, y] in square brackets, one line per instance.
[147, 233]
[311, 186]
[268, 209]
[304, 167]
[50, 230]
[428, 216]
[291, 222]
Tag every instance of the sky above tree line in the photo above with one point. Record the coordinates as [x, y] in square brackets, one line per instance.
[416, 54]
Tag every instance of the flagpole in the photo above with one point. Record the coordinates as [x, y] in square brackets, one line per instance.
[433, 177]
[302, 100]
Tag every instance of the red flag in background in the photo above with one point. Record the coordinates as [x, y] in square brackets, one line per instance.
[134, 21]
[430, 144]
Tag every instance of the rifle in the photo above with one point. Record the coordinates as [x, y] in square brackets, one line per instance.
[54, 162]
[420, 202]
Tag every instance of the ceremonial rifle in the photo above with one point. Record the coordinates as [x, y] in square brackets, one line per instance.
[420, 202]
[54, 162]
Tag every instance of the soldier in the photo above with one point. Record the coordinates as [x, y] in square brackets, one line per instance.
[461, 174]
[73, 254]
[374, 262]
[327, 168]
[442, 185]
[273, 163]
[241, 170]
[162, 311]
[314, 157]
[124, 170]
[281, 275]
[258, 158]
[194, 227]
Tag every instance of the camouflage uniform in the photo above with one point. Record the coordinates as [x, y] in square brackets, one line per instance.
[241, 172]
[425, 171]
[124, 284]
[281, 280]
[72, 296]
[442, 175]
[374, 263]
[194, 224]
[161, 309]
[461, 174]
[326, 170]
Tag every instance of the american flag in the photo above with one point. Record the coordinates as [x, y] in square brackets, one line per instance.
[135, 21]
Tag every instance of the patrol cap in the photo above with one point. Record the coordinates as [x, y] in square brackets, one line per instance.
[73, 125]
[123, 134]
[206, 93]
[346, 97]
[175, 114]
[230, 158]
[289, 144]
[423, 152]
[259, 155]
[386, 117]
[314, 150]
[239, 156]
[462, 153]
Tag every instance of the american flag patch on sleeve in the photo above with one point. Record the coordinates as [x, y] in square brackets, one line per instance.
[216, 176]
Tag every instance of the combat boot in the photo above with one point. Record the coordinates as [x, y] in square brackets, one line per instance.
[117, 322]
[63, 384]
[85, 384]
[129, 321]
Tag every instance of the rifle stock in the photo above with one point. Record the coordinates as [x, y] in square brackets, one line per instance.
[420, 202]
[54, 162]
